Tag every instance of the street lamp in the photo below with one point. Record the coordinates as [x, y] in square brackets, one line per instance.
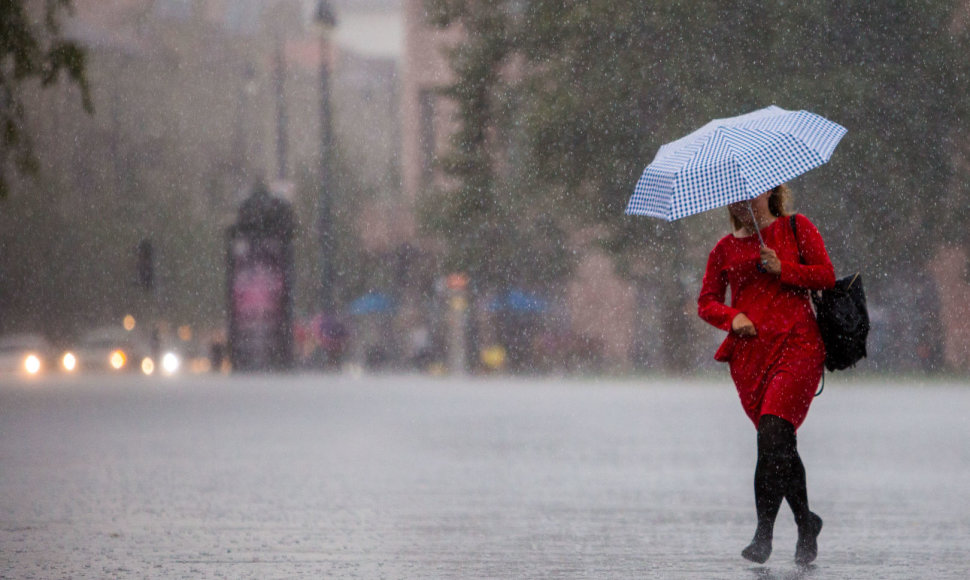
[326, 21]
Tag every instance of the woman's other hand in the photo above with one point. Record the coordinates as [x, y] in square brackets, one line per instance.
[770, 261]
[742, 326]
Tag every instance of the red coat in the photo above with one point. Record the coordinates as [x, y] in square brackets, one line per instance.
[777, 371]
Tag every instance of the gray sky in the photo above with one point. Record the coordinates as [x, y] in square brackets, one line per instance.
[369, 27]
[371, 33]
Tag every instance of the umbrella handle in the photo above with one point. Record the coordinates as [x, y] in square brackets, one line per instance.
[754, 221]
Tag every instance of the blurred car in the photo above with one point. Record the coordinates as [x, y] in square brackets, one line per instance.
[25, 354]
[110, 349]
[114, 349]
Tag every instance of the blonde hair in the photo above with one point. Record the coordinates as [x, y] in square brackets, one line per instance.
[777, 204]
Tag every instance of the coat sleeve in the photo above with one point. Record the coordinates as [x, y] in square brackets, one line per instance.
[710, 305]
[814, 271]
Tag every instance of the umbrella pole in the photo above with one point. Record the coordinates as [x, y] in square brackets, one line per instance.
[754, 221]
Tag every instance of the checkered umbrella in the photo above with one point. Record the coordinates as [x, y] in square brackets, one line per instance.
[731, 160]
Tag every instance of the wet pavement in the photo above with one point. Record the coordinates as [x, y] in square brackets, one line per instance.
[412, 477]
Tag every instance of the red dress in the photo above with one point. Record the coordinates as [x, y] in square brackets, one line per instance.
[777, 371]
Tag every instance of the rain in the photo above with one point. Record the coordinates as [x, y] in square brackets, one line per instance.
[348, 288]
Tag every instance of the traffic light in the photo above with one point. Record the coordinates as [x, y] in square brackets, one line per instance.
[145, 270]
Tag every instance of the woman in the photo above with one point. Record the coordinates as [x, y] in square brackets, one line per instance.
[774, 348]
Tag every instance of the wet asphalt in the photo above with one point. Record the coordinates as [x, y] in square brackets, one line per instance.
[340, 476]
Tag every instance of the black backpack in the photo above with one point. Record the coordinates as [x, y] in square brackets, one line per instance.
[843, 319]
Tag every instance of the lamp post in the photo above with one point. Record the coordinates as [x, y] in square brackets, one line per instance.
[279, 88]
[325, 20]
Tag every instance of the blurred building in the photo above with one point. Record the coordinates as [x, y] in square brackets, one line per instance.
[950, 266]
[949, 269]
[598, 305]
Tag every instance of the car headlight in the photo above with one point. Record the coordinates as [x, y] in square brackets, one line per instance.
[117, 359]
[147, 365]
[171, 363]
[32, 364]
[69, 362]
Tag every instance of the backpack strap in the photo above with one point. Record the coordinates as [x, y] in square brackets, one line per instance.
[794, 230]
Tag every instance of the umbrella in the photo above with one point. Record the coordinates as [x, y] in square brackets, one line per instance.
[372, 303]
[731, 160]
[519, 301]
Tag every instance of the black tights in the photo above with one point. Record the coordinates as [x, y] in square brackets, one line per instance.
[781, 475]
[778, 475]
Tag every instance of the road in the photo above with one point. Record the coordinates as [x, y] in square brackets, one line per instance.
[335, 476]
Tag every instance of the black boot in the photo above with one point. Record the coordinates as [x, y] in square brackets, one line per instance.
[771, 479]
[760, 547]
[806, 550]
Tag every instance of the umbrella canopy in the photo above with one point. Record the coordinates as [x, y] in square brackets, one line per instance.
[372, 303]
[731, 160]
[520, 301]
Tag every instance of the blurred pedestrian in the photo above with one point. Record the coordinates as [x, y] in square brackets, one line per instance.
[773, 347]
[217, 355]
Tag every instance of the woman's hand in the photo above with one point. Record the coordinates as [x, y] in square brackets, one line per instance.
[770, 261]
[742, 325]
